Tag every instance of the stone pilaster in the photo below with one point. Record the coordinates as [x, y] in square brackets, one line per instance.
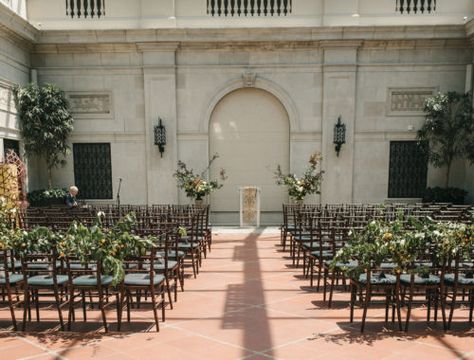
[159, 72]
[339, 99]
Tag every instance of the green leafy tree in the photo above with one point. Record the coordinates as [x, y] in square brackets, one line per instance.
[45, 123]
[448, 129]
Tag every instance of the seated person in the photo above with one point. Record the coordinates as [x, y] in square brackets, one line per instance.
[71, 197]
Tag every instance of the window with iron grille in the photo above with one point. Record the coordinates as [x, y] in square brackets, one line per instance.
[93, 170]
[408, 170]
[249, 7]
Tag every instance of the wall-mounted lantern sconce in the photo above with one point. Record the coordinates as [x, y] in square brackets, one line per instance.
[160, 136]
[339, 135]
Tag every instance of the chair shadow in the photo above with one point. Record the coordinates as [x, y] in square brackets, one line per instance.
[378, 330]
[336, 304]
[88, 333]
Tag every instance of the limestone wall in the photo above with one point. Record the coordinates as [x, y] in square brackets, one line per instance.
[374, 77]
[126, 14]
[182, 76]
[15, 49]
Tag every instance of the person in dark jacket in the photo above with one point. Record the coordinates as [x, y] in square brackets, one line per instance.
[71, 197]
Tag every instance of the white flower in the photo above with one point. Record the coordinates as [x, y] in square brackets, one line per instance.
[100, 214]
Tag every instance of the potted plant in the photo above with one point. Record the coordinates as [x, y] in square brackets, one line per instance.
[197, 186]
[45, 123]
[309, 183]
[449, 133]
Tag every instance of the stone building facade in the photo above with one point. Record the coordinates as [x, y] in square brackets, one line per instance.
[260, 91]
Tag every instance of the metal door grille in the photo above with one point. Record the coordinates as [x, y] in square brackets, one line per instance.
[93, 170]
[408, 170]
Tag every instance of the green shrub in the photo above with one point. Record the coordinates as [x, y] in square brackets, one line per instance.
[47, 197]
[445, 195]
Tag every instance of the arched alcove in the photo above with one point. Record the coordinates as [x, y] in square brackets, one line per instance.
[249, 128]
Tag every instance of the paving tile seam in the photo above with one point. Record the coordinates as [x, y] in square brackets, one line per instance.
[36, 356]
[260, 354]
[210, 338]
[463, 357]
[42, 348]
[419, 342]
[399, 353]
[299, 340]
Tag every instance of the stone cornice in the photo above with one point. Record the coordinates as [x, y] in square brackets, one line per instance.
[470, 28]
[300, 34]
[470, 32]
[329, 44]
[157, 46]
[15, 28]
[393, 44]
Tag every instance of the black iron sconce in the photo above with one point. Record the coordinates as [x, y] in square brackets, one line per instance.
[339, 135]
[160, 136]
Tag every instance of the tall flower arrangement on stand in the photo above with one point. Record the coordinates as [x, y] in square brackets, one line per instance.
[197, 186]
[309, 183]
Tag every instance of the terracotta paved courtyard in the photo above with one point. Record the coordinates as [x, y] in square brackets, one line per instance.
[247, 303]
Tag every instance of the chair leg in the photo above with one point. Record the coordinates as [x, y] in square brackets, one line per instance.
[388, 296]
[168, 290]
[36, 299]
[410, 300]
[325, 282]
[83, 300]
[58, 305]
[471, 304]
[436, 304]
[102, 310]
[155, 311]
[195, 265]
[10, 303]
[397, 304]
[128, 305]
[366, 306]
[176, 276]
[353, 291]
[163, 314]
[319, 274]
[331, 287]
[181, 274]
[120, 307]
[451, 310]
[26, 307]
[428, 305]
[71, 309]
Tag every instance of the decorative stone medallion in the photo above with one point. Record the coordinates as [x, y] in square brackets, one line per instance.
[249, 79]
